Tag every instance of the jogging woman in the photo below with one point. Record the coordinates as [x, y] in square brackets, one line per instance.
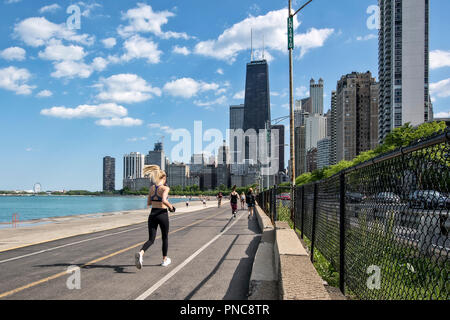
[158, 199]
[251, 201]
[242, 200]
[233, 201]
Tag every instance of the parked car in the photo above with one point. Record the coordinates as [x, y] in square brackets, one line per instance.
[428, 199]
[355, 197]
[386, 197]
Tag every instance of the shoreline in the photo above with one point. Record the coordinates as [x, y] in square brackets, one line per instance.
[52, 229]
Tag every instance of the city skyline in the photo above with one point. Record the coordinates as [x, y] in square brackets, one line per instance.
[62, 114]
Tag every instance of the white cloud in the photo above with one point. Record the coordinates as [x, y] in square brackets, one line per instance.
[181, 50]
[165, 129]
[440, 89]
[72, 69]
[12, 1]
[301, 92]
[44, 94]
[126, 88]
[135, 139]
[119, 122]
[188, 87]
[272, 25]
[442, 115]
[16, 80]
[219, 71]
[38, 31]
[274, 93]
[367, 37]
[439, 59]
[109, 42]
[144, 19]
[137, 47]
[314, 38]
[221, 100]
[13, 53]
[29, 149]
[99, 64]
[88, 7]
[58, 52]
[239, 95]
[107, 110]
[50, 8]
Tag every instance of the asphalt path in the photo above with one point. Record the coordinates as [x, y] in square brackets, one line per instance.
[212, 256]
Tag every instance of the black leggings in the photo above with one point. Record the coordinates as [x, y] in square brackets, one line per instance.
[158, 217]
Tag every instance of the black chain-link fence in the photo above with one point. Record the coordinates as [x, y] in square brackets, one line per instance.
[384, 224]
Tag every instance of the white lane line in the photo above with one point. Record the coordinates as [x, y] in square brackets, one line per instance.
[86, 240]
[184, 263]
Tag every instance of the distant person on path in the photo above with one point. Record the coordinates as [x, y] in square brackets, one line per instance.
[242, 200]
[158, 199]
[251, 201]
[219, 199]
[233, 201]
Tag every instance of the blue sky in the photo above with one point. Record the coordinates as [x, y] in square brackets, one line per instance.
[135, 71]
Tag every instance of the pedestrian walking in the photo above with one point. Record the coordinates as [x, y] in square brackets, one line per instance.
[251, 201]
[233, 201]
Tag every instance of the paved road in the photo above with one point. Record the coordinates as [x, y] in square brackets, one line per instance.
[212, 257]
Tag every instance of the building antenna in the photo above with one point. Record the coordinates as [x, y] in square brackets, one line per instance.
[251, 44]
[263, 48]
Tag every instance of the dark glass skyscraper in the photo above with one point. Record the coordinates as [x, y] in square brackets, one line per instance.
[257, 96]
[109, 174]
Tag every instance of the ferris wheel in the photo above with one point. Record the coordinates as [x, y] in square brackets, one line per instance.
[37, 187]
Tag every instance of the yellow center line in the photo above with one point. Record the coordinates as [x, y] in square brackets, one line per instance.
[58, 275]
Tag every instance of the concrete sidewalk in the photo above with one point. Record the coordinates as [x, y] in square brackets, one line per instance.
[49, 229]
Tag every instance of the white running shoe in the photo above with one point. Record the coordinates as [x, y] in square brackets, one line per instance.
[166, 262]
[138, 259]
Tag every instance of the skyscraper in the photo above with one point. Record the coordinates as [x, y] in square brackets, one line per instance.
[236, 122]
[133, 165]
[109, 174]
[300, 150]
[316, 129]
[316, 96]
[403, 64]
[333, 134]
[156, 157]
[356, 115]
[280, 144]
[257, 96]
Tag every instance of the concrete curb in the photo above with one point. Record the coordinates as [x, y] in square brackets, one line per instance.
[264, 280]
[298, 279]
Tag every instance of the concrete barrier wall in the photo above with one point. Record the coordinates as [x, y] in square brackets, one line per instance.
[296, 277]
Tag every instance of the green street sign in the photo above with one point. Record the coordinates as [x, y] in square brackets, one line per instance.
[290, 33]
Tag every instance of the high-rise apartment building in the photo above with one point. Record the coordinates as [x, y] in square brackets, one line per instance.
[323, 152]
[156, 157]
[356, 115]
[333, 134]
[300, 150]
[133, 165]
[316, 129]
[280, 146]
[109, 174]
[403, 64]
[316, 96]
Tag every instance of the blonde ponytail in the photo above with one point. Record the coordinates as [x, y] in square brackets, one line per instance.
[154, 172]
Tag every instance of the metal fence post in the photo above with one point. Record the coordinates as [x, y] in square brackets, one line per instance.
[342, 234]
[302, 221]
[313, 235]
[275, 215]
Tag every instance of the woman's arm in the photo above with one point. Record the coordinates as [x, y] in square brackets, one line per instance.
[164, 198]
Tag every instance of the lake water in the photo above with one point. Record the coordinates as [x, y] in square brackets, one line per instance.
[38, 207]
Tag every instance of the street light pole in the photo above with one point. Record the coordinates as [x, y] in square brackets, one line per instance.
[291, 94]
